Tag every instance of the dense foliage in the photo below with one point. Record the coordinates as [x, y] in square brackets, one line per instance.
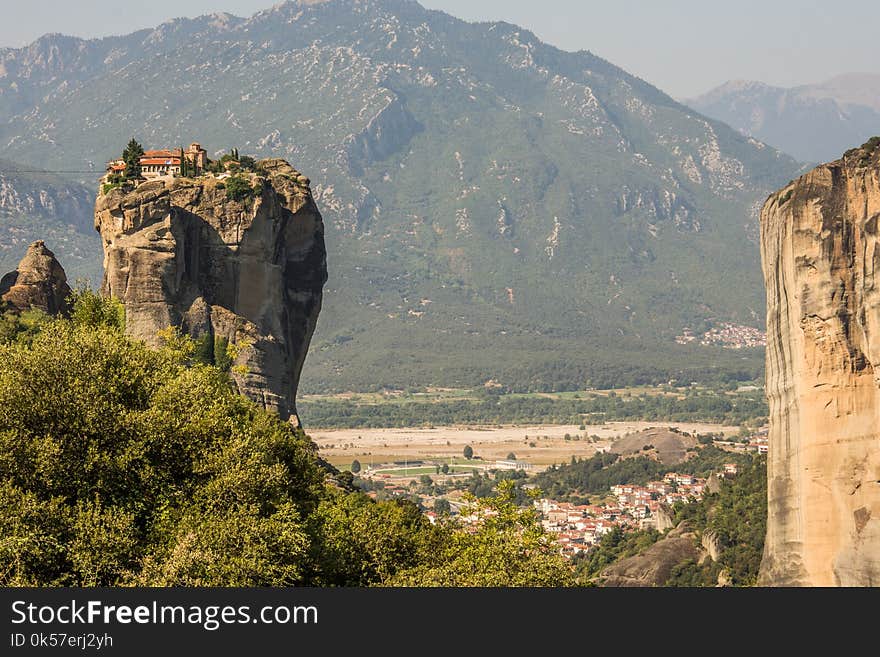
[737, 515]
[238, 188]
[709, 406]
[121, 464]
[508, 548]
[598, 473]
[612, 547]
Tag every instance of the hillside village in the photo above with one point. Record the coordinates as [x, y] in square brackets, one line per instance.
[575, 527]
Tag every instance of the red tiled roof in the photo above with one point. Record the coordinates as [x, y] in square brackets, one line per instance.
[162, 152]
[170, 161]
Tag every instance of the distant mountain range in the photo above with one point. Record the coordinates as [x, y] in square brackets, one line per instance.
[37, 205]
[813, 123]
[496, 208]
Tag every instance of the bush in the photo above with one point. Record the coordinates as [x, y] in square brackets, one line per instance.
[238, 188]
[871, 144]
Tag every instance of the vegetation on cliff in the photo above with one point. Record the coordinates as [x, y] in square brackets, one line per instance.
[737, 516]
[122, 464]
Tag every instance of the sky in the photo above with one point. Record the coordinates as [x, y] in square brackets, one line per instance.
[685, 47]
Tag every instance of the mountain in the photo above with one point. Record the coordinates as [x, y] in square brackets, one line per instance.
[814, 123]
[36, 205]
[495, 208]
[819, 248]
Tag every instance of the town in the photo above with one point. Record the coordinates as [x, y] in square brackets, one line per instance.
[575, 527]
[726, 335]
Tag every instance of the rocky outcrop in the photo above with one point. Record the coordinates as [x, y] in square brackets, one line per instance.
[665, 445]
[247, 268]
[821, 263]
[654, 566]
[712, 544]
[664, 518]
[39, 282]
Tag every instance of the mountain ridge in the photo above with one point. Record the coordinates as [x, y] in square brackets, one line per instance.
[496, 206]
[39, 205]
[812, 122]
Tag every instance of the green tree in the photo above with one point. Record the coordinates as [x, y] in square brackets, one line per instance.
[511, 456]
[204, 349]
[238, 188]
[445, 468]
[223, 354]
[361, 543]
[184, 164]
[90, 309]
[355, 466]
[132, 157]
[121, 464]
[468, 452]
[442, 506]
[508, 548]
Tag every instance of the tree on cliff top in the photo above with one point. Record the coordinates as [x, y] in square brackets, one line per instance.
[132, 157]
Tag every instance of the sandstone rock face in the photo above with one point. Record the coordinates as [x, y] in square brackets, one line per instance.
[38, 282]
[180, 252]
[821, 263]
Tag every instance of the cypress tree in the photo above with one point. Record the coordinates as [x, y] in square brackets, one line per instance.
[132, 157]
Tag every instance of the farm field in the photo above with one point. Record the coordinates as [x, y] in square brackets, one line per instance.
[539, 445]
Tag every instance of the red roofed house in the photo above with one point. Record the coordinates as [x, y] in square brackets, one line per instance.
[167, 162]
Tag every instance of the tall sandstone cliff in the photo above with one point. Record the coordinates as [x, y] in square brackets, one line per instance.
[820, 248]
[181, 252]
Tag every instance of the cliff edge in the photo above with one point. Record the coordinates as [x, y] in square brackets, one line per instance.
[237, 260]
[821, 262]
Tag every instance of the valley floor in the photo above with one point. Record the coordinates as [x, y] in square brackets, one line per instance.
[538, 445]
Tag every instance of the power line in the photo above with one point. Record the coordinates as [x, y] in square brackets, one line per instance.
[49, 171]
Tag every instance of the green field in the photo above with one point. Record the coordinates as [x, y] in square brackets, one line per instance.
[487, 406]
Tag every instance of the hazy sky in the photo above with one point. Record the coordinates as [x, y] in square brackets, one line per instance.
[685, 47]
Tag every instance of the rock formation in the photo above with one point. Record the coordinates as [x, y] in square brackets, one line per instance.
[654, 566]
[666, 445]
[820, 253]
[239, 260]
[38, 282]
